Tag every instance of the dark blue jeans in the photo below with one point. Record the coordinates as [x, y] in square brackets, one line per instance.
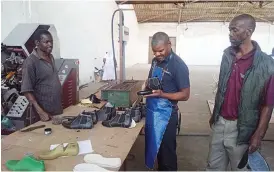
[167, 157]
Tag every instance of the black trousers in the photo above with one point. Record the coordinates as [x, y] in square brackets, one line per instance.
[167, 157]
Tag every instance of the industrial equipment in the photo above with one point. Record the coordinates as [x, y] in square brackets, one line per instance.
[68, 71]
[98, 74]
[122, 93]
[123, 38]
[15, 48]
[21, 38]
[19, 107]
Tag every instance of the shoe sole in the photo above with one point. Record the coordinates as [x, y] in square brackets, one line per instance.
[88, 167]
[102, 161]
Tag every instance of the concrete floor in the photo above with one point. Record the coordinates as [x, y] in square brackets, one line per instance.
[192, 150]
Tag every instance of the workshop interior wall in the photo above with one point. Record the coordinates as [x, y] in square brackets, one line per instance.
[84, 31]
[132, 47]
[83, 27]
[200, 43]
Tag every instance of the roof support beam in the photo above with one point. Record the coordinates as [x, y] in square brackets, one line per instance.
[209, 9]
[179, 18]
[262, 18]
[180, 12]
[212, 15]
[235, 12]
[121, 2]
[157, 16]
[266, 3]
[170, 12]
[205, 16]
[206, 19]
[181, 1]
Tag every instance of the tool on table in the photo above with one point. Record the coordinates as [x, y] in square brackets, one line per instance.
[143, 93]
[93, 98]
[33, 128]
[48, 131]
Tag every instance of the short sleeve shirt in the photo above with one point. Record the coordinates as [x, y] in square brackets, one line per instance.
[176, 76]
[41, 78]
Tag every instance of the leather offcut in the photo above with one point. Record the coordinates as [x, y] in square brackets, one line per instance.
[27, 163]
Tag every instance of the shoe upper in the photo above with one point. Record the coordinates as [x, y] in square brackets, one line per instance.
[82, 121]
[136, 114]
[119, 120]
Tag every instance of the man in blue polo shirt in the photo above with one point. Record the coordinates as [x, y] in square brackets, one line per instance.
[161, 123]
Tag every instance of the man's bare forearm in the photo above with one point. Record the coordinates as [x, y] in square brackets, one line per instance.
[183, 95]
[32, 100]
[264, 120]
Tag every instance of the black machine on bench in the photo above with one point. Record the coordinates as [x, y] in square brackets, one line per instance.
[15, 48]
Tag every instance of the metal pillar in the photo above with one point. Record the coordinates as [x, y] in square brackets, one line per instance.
[122, 43]
[122, 47]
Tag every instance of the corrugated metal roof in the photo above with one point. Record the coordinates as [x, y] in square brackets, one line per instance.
[201, 10]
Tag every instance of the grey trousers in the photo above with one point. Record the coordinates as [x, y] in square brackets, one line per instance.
[223, 149]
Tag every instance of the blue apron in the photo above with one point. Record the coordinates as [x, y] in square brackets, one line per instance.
[158, 114]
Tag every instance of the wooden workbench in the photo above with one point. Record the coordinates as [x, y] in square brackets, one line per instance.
[109, 142]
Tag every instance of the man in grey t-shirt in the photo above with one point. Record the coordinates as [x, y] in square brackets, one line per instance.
[40, 82]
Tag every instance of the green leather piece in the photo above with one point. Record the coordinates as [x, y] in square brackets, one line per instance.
[6, 122]
[72, 149]
[27, 163]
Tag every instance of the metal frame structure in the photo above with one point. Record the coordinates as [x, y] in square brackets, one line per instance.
[180, 11]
